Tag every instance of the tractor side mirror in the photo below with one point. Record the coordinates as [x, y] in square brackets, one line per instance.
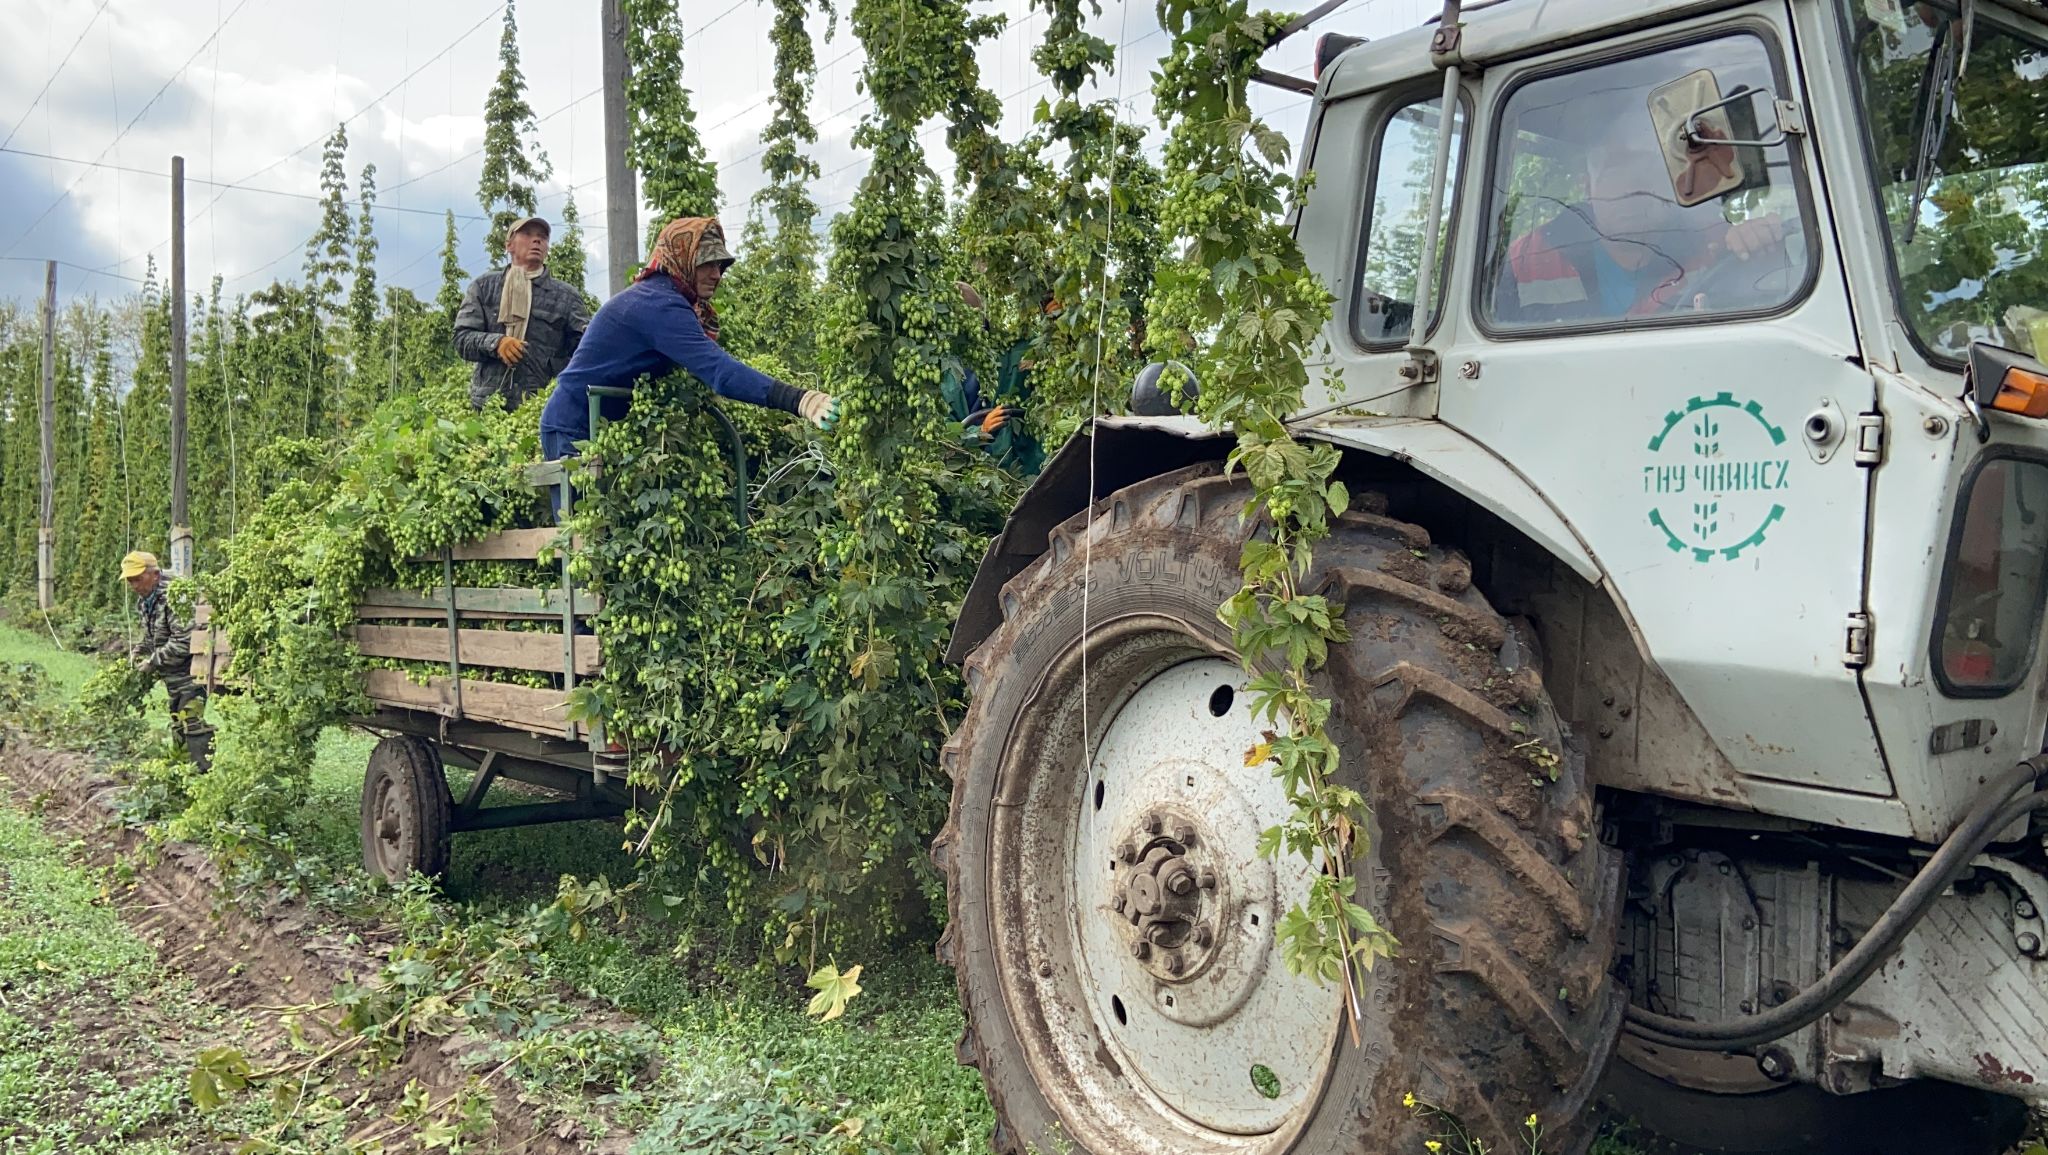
[2008, 380]
[1154, 394]
[1710, 142]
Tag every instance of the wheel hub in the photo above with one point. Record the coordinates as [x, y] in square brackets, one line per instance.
[1168, 897]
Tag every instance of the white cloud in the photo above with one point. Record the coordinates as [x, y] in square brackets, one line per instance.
[287, 69]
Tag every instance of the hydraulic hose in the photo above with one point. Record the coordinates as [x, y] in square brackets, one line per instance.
[1995, 808]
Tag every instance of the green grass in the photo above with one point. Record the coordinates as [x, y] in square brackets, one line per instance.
[96, 1038]
[67, 669]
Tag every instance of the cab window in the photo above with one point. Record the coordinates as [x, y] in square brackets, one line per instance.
[1383, 310]
[1991, 605]
[1611, 204]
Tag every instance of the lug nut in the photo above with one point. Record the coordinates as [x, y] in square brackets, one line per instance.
[2023, 909]
[1184, 834]
[1206, 879]
[1203, 936]
[1153, 825]
[1141, 950]
[1173, 964]
[1129, 853]
[1158, 933]
[1180, 883]
[1118, 903]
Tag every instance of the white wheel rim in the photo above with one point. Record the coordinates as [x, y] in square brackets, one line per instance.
[1195, 1038]
[1203, 1041]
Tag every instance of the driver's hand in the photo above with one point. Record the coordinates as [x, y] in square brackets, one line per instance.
[995, 420]
[1756, 235]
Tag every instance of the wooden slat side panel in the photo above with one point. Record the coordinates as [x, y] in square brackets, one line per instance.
[393, 688]
[476, 602]
[502, 649]
[543, 474]
[505, 545]
[535, 711]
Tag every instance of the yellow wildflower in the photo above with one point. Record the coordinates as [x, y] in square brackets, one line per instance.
[1408, 1100]
[1433, 1145]
[1529, 1122]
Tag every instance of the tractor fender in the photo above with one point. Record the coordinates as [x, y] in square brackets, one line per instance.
[1120, 451]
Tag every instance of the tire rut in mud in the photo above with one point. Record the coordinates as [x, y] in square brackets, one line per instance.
[253, 963]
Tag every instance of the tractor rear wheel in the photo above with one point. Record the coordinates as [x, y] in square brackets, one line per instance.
[407, 811]
[1114, 928]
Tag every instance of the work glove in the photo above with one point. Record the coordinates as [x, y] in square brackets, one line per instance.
[820, 409]
[511, 349]
[998, 417]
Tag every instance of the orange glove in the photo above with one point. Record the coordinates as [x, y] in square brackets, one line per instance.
[994, 421]
[511, 349]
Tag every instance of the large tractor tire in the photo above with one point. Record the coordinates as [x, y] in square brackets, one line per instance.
[407, 811]
[1113, 926]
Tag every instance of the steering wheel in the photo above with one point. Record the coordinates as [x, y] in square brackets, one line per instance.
[1732, 285]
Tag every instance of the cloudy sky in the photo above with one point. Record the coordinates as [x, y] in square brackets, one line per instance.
[97, 95]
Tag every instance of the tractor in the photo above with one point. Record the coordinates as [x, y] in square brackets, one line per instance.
[1688, 376]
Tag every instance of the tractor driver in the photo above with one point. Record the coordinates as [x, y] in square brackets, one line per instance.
[1626, 249]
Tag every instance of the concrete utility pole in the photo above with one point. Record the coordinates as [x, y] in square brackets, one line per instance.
[621, 191]
[45, 534]
[181, 524]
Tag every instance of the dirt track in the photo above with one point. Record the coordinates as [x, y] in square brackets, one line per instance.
[251, 964]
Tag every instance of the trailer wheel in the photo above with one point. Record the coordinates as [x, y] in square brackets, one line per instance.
[1114, 929]
[406, 809]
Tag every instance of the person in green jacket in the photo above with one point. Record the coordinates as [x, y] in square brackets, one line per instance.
[997, 419]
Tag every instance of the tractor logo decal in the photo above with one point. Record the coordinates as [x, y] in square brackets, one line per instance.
[1715, 477]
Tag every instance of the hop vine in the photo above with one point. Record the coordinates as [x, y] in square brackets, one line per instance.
[1240, 306]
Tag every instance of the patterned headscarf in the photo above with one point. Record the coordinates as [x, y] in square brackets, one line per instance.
[675, 253]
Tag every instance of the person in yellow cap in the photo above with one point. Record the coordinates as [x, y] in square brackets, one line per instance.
[165, 653]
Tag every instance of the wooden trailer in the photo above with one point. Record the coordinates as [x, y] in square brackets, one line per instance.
[458, 718]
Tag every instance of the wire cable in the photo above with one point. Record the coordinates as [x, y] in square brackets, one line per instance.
[144, 111]
[45, 89]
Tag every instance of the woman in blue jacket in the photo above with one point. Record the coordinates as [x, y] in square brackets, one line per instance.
[663, 321]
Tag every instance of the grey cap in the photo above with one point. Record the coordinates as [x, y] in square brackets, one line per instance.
[711, 248]
[529, 222]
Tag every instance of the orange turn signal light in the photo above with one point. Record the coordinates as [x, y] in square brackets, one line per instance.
[2023, 392]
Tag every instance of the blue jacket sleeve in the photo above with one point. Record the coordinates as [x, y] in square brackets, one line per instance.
[681, 339]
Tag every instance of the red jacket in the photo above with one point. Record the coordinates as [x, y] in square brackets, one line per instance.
[1552, 274]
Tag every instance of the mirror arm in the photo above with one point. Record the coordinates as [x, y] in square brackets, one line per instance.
[1445, 50]
[1283, 80]
[1691, 134]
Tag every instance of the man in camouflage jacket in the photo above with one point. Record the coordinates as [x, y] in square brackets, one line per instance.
[518, 324]
[165, 653]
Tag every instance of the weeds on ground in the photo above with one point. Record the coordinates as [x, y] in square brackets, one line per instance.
[1452, 1137]
[726, 1032]
[95, 1030]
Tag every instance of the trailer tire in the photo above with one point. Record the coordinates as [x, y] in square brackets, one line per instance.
[1188, 1034]
[407, 810]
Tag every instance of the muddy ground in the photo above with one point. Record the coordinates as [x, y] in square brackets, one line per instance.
[249, 965]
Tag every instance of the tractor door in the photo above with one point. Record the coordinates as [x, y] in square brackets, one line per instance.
[1657, 334]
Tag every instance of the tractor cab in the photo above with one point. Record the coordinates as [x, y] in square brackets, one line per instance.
[1711, 280]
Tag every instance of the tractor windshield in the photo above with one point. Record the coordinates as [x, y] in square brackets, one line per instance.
[1955, 104]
